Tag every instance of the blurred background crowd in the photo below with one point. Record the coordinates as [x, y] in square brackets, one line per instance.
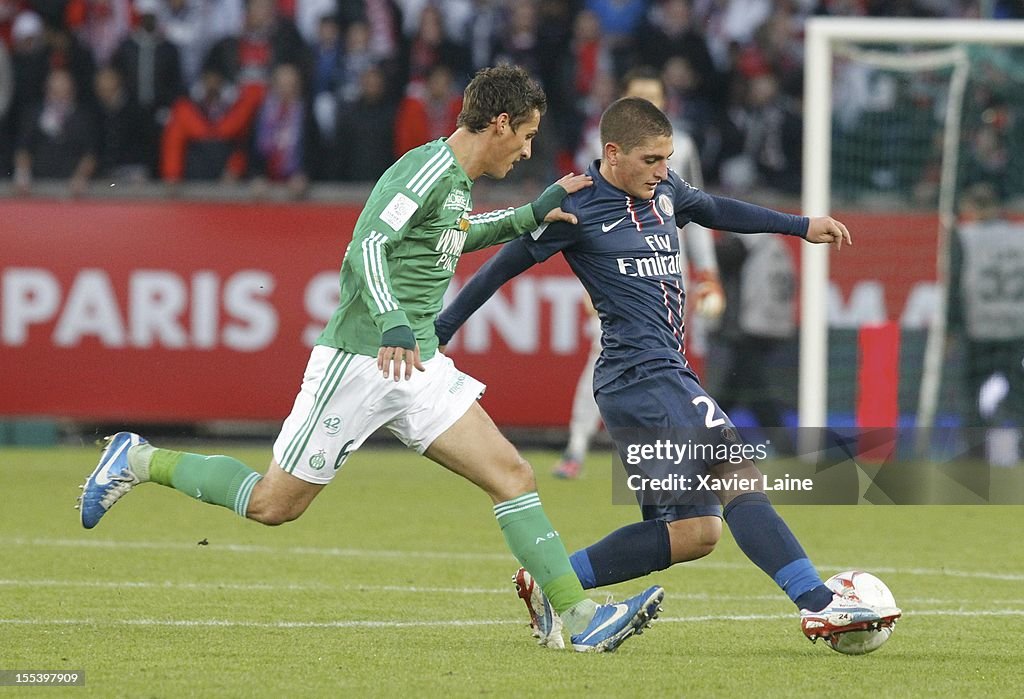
[287, 92]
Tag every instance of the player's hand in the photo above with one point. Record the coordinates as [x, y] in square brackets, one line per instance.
[707, 294]
[546, 206]
[573, 183]
[825, 229]
[398, 362]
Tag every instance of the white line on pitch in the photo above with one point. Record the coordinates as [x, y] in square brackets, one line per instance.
[458, 555]
[410, 589]
[381, 624]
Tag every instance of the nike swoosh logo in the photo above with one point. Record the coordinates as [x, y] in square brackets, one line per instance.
[621, 610]
[103, 474]
[605, 227]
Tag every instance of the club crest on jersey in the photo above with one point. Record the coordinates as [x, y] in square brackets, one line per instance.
[458, 200]
[665, 204]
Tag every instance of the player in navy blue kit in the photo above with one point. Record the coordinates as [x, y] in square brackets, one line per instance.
[624, 249]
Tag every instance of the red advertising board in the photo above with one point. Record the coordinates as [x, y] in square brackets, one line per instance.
[182, 311]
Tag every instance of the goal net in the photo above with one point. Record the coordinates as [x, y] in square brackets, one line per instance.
[904, 120]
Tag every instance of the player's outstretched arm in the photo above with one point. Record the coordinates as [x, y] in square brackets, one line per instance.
[513, 259]
[494, 227]
[825, 229]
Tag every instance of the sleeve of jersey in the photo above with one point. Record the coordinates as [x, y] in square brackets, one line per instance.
[511, 260]
[495, 227]
[551, 238]
[728, 214]
[388, 216]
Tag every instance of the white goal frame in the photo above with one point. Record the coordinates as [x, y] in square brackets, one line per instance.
[823, 37]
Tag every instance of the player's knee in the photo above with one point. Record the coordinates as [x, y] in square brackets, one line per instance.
[695, 538]
[517, 479]
[273, 512]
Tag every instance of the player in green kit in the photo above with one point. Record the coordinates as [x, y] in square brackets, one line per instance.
[376, 364]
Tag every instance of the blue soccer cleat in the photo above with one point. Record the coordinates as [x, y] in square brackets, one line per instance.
[615, 622]
[545, 623]
[111, 479]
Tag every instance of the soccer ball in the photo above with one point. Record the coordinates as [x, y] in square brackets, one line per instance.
[871, 591]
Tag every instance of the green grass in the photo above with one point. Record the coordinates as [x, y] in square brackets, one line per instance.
[396, 583]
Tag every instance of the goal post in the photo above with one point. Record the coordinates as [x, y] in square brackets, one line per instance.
[924, 45]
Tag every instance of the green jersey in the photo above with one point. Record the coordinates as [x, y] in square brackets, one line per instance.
[405, 246]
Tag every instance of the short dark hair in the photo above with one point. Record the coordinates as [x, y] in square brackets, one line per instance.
[630, 121]
[501, 89]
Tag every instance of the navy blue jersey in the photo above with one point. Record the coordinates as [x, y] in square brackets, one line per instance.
[626, 253]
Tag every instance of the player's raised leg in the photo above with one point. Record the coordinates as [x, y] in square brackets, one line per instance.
[129, 460]
[474, 448]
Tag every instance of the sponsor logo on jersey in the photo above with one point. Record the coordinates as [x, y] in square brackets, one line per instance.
[458, 200]
[450, 244]
[332, 424]
[653, 266]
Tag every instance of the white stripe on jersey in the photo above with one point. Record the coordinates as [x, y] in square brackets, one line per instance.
[492, 215]
[373, 268]
[411, 184]
[426, 178]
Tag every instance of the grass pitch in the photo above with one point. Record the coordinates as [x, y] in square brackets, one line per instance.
[396, 582]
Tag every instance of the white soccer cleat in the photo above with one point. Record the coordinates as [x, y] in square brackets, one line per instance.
[846, 613]
[544, 621]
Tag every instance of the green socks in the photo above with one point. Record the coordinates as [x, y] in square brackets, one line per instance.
[539, 549]
[219, 480]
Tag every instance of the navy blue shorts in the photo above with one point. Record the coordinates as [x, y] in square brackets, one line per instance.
[662, 402]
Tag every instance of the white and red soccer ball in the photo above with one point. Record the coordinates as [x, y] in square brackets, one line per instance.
[871, 591]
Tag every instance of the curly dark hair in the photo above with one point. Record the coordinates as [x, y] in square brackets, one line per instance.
[502, 89]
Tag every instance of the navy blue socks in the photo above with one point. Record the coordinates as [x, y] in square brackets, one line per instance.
[627, 553]
[768, 542]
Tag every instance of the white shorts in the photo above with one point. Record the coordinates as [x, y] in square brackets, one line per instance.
[344, 399]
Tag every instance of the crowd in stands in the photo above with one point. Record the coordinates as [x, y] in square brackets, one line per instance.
[285, 92]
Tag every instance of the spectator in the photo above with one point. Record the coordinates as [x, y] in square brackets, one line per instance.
[206, 135]
[187, 25]
[100, 24]
[327, 62]
[669, 32]
[29, 67]
[283, 134]
[310, 13]
[365, 128]
[518, 41]
[56, 139]
[620, 22]
[690, 109]
[266, 41]
[357, 58]
[429, 111]
[122, 130]
[768, 131]
[150, 66]
[589, 55]
[430, 46]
